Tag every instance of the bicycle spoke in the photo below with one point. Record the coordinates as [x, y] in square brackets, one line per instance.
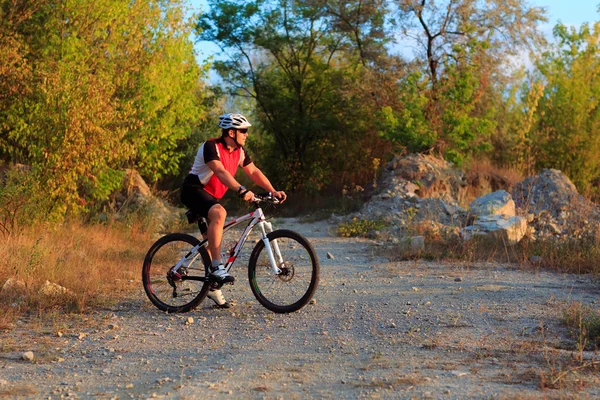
[159, 280]
[294, 286]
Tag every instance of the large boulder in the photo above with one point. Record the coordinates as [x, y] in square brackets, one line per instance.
[135, 185]
[551, 191]
[13, 286]
[136, 197]
[554, 206]
[435, 177]
[509, 230]
[496, 203]
[495, 216]
[416, 188]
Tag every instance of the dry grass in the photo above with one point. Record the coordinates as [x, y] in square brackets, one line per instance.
[578, 252]
[392, 382]
[20, 391]
[569, 255]
[484, 178]
[98, 264]
[584, 324]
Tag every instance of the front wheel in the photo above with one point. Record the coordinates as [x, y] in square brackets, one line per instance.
[175, 292]
[291, 289]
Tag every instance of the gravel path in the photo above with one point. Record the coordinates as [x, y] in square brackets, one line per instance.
[378, 329]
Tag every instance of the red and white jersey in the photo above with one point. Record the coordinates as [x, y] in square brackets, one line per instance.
[216, 149]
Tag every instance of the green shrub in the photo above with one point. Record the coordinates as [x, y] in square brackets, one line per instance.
[23, 200]
[584, 323]
[359, 227]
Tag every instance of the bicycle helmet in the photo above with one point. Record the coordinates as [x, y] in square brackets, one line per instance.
[233, 121]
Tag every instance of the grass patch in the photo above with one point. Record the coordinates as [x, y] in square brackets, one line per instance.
[359, 227]
[584, 324]
[96, 264]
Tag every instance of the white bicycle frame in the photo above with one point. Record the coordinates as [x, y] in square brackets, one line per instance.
[257, 217]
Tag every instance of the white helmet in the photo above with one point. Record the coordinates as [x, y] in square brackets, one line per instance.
[233, 121]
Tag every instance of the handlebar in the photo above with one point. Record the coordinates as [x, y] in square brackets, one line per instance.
[266, 197]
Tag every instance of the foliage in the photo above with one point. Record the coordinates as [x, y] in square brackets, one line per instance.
[565, 132]
[22, 201]
[408, 126]
[98, 86]
[450, 100]
[299, 62]
[440, 27]
[359, 227]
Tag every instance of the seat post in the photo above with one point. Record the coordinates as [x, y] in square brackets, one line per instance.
[203, 226]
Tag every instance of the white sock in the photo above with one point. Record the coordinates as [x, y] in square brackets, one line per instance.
[215, 263]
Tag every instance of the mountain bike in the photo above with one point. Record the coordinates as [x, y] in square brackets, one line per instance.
[283, 268]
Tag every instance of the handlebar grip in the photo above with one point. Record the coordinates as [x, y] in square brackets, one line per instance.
[266, 196]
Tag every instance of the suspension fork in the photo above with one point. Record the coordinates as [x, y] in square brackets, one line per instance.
[267, 227]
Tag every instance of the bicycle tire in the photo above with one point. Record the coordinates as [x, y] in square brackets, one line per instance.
[161, 257]
[300, 267]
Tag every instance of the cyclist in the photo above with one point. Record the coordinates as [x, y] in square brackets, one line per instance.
[212, 174]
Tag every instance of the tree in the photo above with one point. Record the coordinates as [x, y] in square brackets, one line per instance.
[439, 26]
[99, 86]
[294, 62]
[451, 101]
[565, 132]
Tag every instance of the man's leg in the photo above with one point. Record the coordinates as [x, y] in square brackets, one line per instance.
[217, 215]
[213, 293]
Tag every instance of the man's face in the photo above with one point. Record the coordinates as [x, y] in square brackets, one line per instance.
[242, 135]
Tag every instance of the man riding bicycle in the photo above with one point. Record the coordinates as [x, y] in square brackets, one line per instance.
[212, 174]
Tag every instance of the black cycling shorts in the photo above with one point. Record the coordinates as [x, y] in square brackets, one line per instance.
[194, 197]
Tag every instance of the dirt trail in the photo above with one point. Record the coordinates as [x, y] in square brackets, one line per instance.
[379, 329]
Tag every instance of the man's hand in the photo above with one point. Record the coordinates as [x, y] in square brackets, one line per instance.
[248, 196]
[280, 195]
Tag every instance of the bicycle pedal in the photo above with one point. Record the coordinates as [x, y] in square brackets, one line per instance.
[214, 285]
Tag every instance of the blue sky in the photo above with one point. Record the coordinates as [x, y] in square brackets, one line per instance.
[569, 12]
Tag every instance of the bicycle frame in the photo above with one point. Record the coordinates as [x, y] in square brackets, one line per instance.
[256, 217]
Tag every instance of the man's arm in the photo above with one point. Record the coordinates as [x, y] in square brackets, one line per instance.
[224, 176]
[261, 180]
[227, 179]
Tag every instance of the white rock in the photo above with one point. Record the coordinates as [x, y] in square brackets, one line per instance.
[27, 356]
[509, 230]
[496, 203]
[50, 289]
[330, 256]
[14, 285]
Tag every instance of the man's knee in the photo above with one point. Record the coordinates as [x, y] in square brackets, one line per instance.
[217, 213]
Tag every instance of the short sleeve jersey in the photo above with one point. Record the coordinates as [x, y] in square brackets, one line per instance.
[216, 149]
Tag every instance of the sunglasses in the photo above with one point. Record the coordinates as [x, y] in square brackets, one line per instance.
[242, 130]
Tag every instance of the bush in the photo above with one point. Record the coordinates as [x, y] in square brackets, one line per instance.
[359, 227]
[23, 200]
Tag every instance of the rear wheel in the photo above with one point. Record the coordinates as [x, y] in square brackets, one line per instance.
[175, 292]
[291, 289]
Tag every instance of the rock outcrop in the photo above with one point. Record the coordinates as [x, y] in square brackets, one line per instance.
[417, 188]
[136, 197]
[549, 191]
[424, 190]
